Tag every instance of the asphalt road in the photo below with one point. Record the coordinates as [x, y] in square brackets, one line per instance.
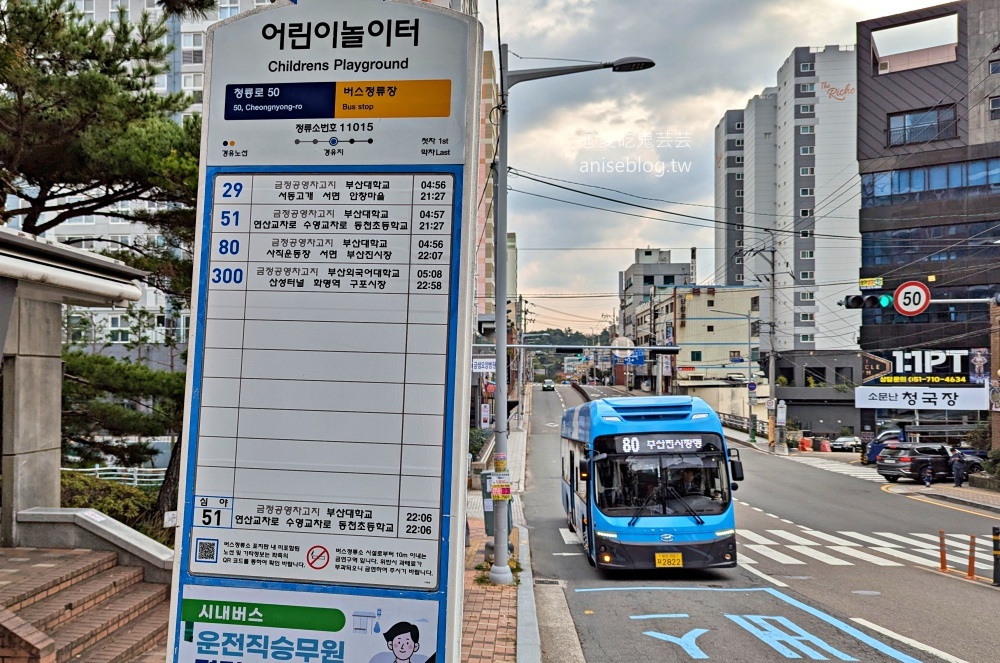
[832, 568]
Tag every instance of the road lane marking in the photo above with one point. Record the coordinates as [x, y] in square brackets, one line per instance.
[821, 556]
[940, 504]
[677, 616]
[774, 554]
[753, 537]
[570, 538]
[794, 538]
[944, 656]
[860, 554]
[771, 514]
[756, 509]
[907, 556]
[787, 521]
[871, 540]
[746, 560]
[773, 581]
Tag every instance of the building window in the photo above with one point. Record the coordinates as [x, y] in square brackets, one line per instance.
[739, 142]
[923, 126]
[807, 66]
[734, 354]
[228, 8]
[738, 261]
[805, 233]
[755, 303]
[805, 213]
[739, 278]
[807, 296]
[739, 176]
[118, 330]
[87, 7]
[807, 276]
[807, 338]
[807, 150]
[807, 129]
[193, 48]
[739, 193]
[808, 171]
[78, 241]
[806, 255]
[807, 87]
[261, 3]
[739, 209]
[696, 355]
[807, 317]
[739, 126]
[739, 226]
[807, 109]
[192, 85]
[116, 7]
[739, 242]
[995, 108]
[807, 192]
[739, 159]
[119, 242]
[710, 328]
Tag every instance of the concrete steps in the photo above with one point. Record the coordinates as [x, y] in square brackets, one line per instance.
[80, 606]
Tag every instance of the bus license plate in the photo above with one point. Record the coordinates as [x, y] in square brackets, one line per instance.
[669, 559]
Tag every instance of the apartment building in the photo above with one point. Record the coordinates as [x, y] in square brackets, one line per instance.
[929, 155]
[787, 223]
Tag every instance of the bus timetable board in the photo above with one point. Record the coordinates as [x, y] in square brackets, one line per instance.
[330, 352]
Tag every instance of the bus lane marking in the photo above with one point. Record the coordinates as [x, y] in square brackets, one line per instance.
[766, 628]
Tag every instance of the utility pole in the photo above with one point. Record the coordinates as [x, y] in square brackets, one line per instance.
[771, 355]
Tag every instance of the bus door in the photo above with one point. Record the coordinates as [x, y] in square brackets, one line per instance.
[571, 509]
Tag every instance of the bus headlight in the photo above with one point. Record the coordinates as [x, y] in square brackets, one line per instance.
[725, 532]
[606, 535]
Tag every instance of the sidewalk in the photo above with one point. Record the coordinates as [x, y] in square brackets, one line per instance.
[499, 624]
[976, 498]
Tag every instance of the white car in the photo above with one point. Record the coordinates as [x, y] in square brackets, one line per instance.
[846, 443]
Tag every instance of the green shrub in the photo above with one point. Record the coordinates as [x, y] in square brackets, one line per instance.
[980, 437]
[477, 439]
[992, 464]
[123, 503]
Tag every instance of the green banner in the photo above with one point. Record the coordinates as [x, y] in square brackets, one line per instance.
[263, 614]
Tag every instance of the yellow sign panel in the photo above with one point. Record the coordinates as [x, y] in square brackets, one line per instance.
[870, 284]
[381, 99]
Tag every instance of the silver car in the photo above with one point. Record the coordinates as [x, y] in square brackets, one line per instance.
[846, 443]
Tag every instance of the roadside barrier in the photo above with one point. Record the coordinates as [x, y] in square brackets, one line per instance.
[970, 573]
[824, 445]
[996, 556]
[806, 444]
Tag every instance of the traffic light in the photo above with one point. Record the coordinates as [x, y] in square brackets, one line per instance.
[883, 301]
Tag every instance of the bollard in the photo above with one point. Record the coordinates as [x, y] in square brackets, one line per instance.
[996, 556]
[944, 559]
[971, 574]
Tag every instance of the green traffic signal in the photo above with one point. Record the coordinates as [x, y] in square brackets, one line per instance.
[883, 301]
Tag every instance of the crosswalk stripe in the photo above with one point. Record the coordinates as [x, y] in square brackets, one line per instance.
[755, 538]
[794, 538]
[832, 539]
[821, 556]
[955, 560]
[871, 540]
[907, 556]
[746, 560]
[860, 554]
[917, 543]
[774, 554]
[959, 540]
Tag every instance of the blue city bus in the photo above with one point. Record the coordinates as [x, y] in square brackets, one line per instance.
[647, 483]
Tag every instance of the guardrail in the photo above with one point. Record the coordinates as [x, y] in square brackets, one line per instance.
[742, 423]
[132, 476]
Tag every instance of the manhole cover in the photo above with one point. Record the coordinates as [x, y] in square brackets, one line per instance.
[548, 581]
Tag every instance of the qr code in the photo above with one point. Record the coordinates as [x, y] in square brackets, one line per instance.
[207, 550]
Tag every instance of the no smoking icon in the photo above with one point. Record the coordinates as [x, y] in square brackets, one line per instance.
[318, 557]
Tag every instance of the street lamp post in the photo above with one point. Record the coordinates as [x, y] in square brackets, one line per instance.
[500, 571]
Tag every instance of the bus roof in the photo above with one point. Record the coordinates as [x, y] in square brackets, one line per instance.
[609, 416]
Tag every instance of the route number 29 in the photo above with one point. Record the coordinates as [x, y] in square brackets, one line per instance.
[232, 189]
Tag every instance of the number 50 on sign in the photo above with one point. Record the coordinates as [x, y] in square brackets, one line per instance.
[911, 298]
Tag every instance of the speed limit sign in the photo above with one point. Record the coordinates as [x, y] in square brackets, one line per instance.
[911, 298]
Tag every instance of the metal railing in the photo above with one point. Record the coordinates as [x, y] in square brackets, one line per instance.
[742, 423]
[132, 476]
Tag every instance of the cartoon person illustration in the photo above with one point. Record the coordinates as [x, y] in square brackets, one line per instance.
[403, 640]
[978, 362]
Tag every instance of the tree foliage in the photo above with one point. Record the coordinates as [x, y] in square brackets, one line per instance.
[82, 127]
[106, 400]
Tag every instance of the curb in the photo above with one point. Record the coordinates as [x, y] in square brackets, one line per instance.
[960, 500]
[529, 642]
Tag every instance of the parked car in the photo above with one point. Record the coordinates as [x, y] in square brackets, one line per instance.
[846, 443]
[871, 450]
[909, 460]
[548, 385]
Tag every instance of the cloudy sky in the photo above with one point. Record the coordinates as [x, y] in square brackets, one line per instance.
[711, 55]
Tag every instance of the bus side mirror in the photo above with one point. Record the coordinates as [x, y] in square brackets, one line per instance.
[584, 470]
[736, 468]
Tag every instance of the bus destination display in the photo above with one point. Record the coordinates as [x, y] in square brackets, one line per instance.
[659, 443]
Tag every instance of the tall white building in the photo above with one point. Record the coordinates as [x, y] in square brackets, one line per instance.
[787, 163]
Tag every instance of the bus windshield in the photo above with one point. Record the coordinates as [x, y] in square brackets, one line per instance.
[661, 484]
